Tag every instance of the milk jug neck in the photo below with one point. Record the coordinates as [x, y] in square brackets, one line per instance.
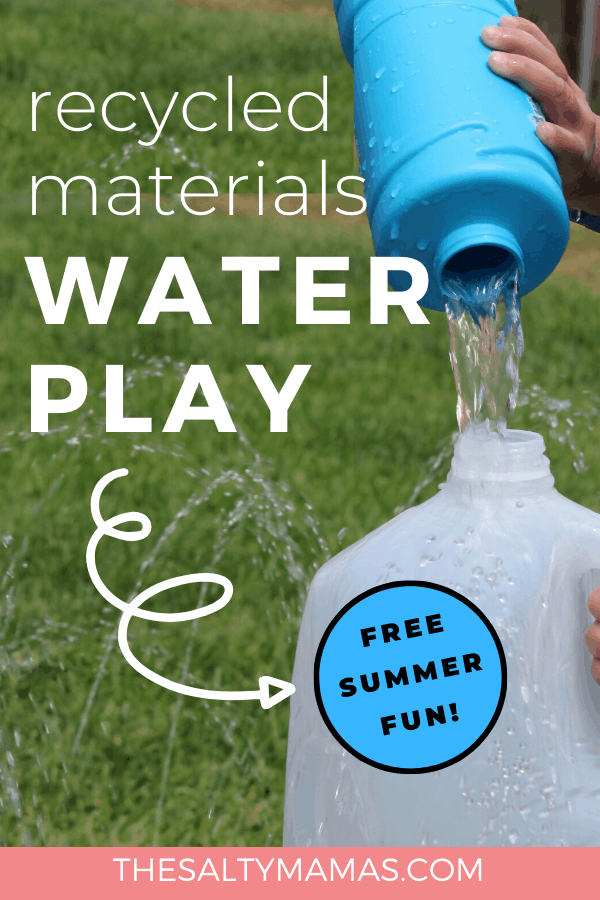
[488, 458]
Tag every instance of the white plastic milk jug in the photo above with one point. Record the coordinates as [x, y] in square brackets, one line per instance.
[499, 535]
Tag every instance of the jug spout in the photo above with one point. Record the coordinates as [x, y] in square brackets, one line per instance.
[480, 249]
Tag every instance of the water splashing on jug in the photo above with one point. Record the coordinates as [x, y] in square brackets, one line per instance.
[483, 306]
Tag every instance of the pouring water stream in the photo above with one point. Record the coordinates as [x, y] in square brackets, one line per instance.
[486, 343]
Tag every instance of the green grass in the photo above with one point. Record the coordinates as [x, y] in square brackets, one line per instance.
[94, 753]
[159, 48]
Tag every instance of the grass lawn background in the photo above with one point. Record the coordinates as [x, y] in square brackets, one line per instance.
[91, 753]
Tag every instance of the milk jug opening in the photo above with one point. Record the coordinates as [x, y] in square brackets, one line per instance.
[486, 456]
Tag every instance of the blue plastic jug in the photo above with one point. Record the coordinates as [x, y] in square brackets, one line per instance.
[454, 173]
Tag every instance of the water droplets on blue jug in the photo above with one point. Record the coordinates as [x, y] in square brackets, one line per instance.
[427, 89]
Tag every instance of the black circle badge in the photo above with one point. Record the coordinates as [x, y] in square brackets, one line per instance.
[410, 677]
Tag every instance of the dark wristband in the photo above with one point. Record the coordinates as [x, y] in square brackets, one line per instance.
[585, 219]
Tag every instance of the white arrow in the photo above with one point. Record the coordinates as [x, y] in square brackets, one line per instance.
[132, 609]
[286, 689]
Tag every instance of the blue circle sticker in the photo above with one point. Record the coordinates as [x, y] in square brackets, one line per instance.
[410, 677]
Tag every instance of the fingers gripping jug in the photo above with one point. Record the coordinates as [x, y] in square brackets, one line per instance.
[447, 148]
[499, 534]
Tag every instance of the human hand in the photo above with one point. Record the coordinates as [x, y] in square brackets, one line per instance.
[526, 56]
[592, 634]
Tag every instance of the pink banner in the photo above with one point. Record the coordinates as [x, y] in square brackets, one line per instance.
[107, 872]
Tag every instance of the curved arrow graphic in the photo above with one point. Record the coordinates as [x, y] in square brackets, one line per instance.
[132, 609]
